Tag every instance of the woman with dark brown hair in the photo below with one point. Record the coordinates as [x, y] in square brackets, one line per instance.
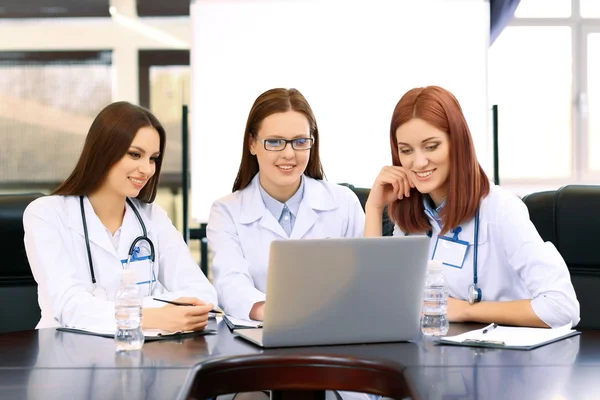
[279, 193]
[498, 267]
[102, 220]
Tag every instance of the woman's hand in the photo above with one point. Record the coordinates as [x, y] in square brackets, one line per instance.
[392, 183]
[178, 318]
[457, 310]
[258, 311]
[514, 312]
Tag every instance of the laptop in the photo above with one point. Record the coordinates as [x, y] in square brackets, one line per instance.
[343, 291]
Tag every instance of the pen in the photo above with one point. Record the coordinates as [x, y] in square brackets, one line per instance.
[176, 303]
[490, 328]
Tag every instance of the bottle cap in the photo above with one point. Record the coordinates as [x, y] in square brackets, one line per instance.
[435, 265]
[128, 276]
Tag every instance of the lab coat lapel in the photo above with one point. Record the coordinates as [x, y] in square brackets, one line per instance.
[269, 222]
[468, 231]
[96, 230]
[316, 198]
[253, 208]
[305, 220]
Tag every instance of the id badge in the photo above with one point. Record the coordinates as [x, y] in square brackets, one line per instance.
[141, 264]
[450, 251]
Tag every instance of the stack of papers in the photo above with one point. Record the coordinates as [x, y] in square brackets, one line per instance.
[238, 323]
[510, 337]
[149, 334]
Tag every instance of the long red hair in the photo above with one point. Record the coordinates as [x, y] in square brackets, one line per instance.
[467, 181]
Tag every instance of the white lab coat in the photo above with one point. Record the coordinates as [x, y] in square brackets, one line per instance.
[241, 229]
[56, 249]
[513, 261]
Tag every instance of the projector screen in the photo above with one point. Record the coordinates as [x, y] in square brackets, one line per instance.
[352, 60]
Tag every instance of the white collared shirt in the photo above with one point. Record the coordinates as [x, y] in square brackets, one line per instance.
[114, 238]
[285, 213]
[241, 229]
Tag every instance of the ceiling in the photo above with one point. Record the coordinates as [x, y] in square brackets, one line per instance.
[87, 8]
[99, 8]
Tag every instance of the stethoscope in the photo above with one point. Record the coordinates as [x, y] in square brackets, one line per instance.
[131, 252]
[475, 295]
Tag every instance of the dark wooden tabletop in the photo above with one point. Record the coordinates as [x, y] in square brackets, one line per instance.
[51, 364]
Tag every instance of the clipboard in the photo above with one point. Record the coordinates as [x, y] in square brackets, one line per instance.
[514, 338]
[149, 334]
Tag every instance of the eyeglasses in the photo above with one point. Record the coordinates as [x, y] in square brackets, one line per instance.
[280, 144]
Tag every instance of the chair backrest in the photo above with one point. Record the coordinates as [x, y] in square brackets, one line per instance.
[18, 289]
[363, 195]
[297, 376]
[570, 218]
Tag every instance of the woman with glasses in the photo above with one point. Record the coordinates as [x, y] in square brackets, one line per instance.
[279, 193]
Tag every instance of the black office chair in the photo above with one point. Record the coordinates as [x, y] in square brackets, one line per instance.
[570, 218]
[18, 289]
[363, 195]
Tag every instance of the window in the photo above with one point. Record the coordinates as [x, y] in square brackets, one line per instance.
[165, 86]
[590, 8]
[159, 8]
[49, 100]
[544, 74]
[593, 107]
[544, 9]
[53, 8]
[169, 91]
[533, 90]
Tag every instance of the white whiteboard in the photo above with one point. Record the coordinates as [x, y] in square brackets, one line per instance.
[352, 60]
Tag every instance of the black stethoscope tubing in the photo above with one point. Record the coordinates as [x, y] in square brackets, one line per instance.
[131, 248]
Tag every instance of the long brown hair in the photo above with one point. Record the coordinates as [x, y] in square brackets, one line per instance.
[467, 181]
[106, 143]
[271, 102]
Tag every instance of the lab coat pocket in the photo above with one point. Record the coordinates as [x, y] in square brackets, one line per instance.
[470, 234]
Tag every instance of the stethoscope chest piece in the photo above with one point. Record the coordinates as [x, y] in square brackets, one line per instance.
[474, 294]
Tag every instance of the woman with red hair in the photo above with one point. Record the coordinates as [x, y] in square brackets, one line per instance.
[497, 266]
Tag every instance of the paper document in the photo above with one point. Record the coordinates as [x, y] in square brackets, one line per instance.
[510, 337]
[149, 334]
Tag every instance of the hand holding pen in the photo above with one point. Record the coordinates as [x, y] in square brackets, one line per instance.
[177, 303]
[173, 317]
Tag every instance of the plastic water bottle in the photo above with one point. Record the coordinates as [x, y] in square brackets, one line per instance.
[435, 301]
[128, 314]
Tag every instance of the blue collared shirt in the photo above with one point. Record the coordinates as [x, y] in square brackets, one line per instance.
[284, 213]
[434, 212]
